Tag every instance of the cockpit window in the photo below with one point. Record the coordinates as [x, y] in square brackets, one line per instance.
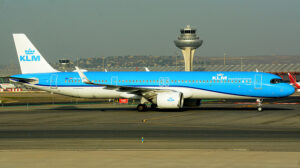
[275, 81]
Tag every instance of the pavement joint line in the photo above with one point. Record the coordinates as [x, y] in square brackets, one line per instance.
[137, 149]
[168, 116]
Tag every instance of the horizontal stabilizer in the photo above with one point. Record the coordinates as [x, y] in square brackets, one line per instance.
[22, 80]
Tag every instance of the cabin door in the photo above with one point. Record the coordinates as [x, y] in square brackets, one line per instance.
[114, 80]
[53, 81]
[258, 81]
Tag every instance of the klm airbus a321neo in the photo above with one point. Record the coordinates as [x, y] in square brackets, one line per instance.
[165, 90]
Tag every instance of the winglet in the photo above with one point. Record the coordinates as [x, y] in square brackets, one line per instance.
[82, 76]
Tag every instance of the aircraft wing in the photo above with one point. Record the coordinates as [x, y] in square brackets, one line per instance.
[145, 92]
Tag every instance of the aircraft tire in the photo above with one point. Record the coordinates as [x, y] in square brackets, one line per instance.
[142, 107]
[153, 106]
[259, 109]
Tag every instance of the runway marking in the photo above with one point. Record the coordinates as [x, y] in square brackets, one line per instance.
[287, 103]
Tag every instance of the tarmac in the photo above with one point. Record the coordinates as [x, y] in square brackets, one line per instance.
[231, 134]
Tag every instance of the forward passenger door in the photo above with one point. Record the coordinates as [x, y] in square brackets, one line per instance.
[258, 81]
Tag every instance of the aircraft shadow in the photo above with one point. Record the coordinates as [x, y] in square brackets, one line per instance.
[79, 109]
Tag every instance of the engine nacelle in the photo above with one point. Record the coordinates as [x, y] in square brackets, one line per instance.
[170, 100]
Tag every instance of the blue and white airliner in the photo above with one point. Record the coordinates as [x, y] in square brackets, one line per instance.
[164, 90]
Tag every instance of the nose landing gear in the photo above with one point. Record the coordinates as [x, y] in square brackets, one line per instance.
[259, 105]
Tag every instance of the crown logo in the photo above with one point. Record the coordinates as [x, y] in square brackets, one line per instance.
[29, 52]
[171, 99]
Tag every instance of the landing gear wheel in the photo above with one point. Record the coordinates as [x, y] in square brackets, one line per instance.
[259, 109]
[259, 105]
[142, 107]
[153, 106]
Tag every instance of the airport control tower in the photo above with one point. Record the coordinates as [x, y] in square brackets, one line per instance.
[188, 42]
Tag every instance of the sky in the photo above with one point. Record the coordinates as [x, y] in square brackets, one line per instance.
[95, 28]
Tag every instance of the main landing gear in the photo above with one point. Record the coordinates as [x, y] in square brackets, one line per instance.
[259, 105]
[142, 107]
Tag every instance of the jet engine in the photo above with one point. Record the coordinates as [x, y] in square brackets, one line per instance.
[170, 100]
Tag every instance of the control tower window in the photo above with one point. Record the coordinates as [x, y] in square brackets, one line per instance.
[193, 31]
[187, 31]
[181, 31]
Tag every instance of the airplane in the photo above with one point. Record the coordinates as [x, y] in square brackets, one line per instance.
[294, 82]
[164, 90]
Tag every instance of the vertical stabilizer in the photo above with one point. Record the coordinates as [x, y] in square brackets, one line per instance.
[30, 59]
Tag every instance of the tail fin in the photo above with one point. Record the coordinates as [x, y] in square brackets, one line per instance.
[293, 81]
[30, 59]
